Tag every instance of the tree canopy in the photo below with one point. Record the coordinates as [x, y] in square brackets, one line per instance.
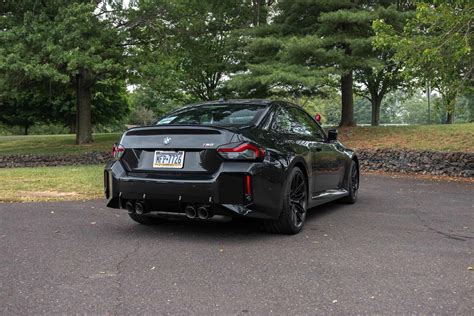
[435, 47]
[85, 63]
[310, 45]
[69, 44]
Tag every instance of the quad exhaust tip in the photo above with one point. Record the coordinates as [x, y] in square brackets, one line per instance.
[130, 207]
[203, 213]
[139, 208]
[190, 212]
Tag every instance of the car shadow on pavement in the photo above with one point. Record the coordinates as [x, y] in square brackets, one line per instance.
[243, 229]
[194, 229]
[324, 210]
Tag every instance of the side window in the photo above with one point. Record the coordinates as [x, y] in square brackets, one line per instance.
[295, 121]
[308, 125]
[284, 122]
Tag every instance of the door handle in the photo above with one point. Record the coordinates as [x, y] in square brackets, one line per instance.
[318, 148]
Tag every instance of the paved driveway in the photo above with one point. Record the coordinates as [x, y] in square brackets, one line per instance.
[405, 247]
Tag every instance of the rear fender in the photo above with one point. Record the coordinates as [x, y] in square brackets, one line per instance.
[301, 163]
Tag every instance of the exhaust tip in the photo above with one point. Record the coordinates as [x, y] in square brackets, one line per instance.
[204, 213]
[129, 206]
[190, 212]
[139, 208]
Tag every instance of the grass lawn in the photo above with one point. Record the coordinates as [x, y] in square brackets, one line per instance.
[456, 137]
[54, 144]
[51, 183]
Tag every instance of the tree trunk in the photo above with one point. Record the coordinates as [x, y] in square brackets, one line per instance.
[376, 102]
[450, 118]
[347, 115]
[25, 130]
[259, 12]
[83, 109]
[450, 101]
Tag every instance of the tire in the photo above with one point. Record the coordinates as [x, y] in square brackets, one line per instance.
[352, 184]
[295, 200]
[146, 219]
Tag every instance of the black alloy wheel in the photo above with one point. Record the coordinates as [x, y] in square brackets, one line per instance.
[293, 214]
[297, 199]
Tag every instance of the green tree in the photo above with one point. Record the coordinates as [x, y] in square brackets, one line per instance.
[435, 47]
[376, 81]
[185, 49]
[34, 103]
[311, 44]
[24, 110]
[69, 43]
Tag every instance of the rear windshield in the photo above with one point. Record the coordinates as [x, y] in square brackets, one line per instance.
[216, 114]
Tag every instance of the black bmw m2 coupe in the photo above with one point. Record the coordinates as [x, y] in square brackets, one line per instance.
[261, 159]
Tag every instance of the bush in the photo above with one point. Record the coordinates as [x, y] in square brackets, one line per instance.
[142, 116]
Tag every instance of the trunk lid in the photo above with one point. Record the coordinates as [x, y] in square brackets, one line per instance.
[199, 144]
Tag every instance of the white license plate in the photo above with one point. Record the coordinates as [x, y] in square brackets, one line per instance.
[168, 159]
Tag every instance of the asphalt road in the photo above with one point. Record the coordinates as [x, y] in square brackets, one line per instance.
[405, 247]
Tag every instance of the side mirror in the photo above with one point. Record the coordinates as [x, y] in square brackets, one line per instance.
[332, 135]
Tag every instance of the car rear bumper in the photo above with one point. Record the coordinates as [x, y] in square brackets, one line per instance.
[224, 193]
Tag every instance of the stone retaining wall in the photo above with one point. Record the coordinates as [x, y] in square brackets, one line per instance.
[16, 161]
[455, 164]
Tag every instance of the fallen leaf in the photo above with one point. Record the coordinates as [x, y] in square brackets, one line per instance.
[334, 302]
[153, 268]
[93, 223]
[470, 268]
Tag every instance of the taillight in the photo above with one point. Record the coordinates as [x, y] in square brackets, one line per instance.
[248, 189]
[243, 151]
[248, 185]
[118, 151]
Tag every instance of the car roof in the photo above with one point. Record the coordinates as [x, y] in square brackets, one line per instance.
[267, 102]
[236, 102]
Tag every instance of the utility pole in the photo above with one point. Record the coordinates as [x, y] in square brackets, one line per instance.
[428, 96]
